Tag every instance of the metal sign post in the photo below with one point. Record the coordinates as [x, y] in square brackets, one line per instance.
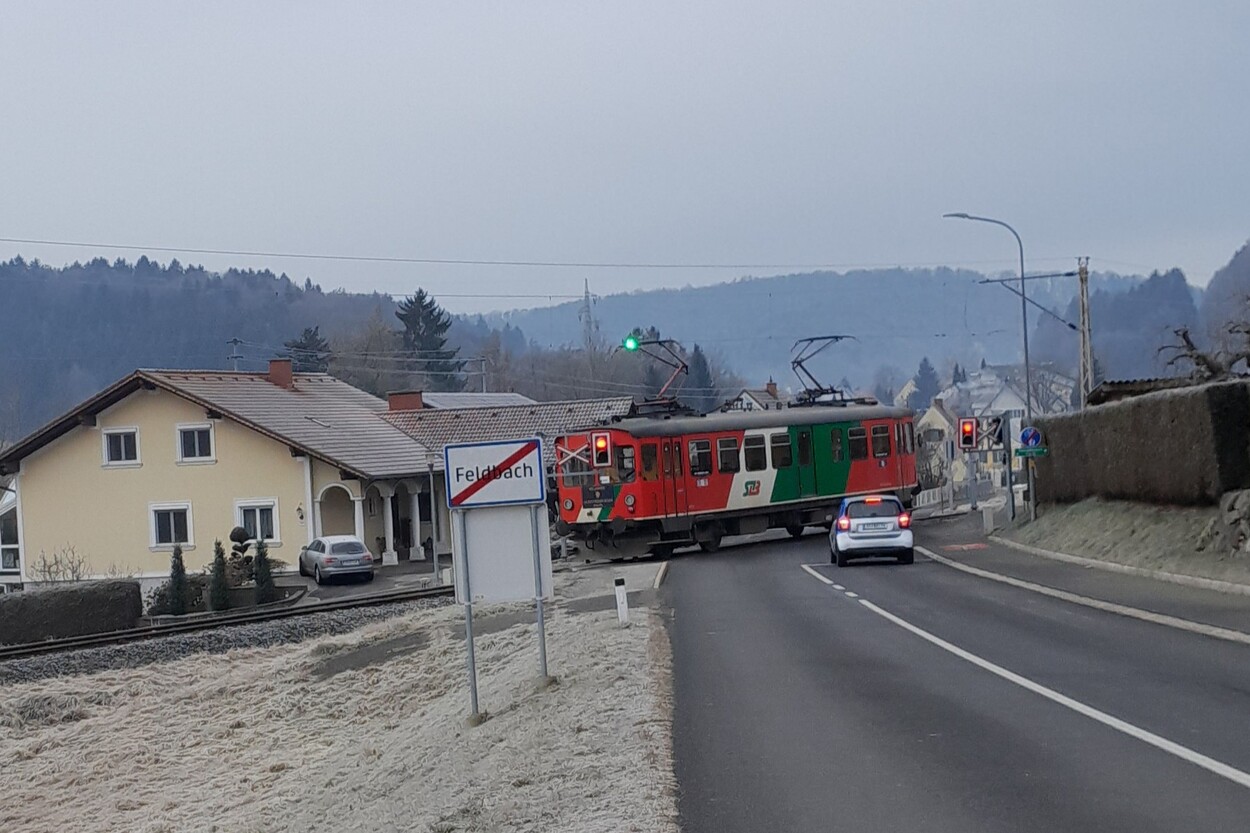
[538, 590]
[462, 569]
[497, 494]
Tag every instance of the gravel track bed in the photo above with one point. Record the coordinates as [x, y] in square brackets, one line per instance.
[216, 641]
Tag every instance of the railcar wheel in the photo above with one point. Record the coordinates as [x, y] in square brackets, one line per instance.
[711, 544]
[795, 530]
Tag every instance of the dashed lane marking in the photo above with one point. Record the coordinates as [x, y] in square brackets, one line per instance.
[838, 587]
[851, 595]
[816, 575]
[1098, 604]
[1171, 747]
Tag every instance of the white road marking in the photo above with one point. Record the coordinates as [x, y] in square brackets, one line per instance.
[816, 575]
[1098, 604]
[838, 587]
[1171, 747]
[852, 595]
[659, 576]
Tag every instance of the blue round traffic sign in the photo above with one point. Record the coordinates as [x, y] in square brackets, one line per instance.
[1030, 437]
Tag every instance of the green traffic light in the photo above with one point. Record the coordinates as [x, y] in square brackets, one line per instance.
[631, 343]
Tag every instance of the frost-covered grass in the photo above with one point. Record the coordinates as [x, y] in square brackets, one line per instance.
[257, 740]
[1137, 534]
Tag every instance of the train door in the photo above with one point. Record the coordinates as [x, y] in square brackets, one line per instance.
[807, 468]
[653, 486]
[674, 479]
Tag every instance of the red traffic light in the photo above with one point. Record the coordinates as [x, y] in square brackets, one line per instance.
[601, 442]
[967, 433]
[602, 445]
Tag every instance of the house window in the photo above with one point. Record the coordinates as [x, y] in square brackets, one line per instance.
[259, 517]
[857, 441]
[121, 446]
[171, 524]
[835, 445]
[195, 443]
[754, 453]
[782, 455]
[9, 554]
[881, 441]
[727, 454]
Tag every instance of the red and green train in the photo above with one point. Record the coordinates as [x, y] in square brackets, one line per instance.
[648, 484]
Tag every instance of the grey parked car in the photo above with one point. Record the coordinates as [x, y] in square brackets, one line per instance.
[336, 555]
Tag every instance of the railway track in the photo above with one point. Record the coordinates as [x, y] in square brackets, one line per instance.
[205, 623]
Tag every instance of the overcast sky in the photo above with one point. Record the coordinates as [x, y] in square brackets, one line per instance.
[765, 133]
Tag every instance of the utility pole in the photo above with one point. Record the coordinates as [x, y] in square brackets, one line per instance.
[234, 353]
[590, 328]
[1087, 347]
[483, 360]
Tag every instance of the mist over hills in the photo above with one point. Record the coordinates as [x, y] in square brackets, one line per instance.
[897, 316]
[69, 331]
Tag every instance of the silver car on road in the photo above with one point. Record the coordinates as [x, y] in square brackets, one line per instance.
[869, 525]
[336, 555]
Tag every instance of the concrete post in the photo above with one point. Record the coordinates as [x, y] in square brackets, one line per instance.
[416, 552]
[358, 516]
[390, 557]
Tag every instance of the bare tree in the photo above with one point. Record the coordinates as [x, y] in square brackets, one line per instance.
[64, 564]
[1213, 365]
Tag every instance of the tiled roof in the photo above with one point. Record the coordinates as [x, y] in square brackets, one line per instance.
[327, 417]
[434, 428]
[467, 399]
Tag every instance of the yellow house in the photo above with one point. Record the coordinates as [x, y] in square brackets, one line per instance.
[166, 457]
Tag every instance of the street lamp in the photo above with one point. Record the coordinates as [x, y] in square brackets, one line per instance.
[1024, 305]
[1024, 315]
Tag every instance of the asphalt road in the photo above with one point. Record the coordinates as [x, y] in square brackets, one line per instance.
[799, 707]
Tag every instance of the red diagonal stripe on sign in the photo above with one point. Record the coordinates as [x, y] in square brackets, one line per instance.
[510, 461]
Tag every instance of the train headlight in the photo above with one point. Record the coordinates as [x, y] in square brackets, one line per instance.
[568, 503]
[629, 501]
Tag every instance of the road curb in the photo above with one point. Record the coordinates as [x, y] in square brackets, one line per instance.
[1214, 631]
[1110, 566]
[659, 576]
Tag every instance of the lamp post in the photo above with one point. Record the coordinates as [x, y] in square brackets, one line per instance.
[1024, 316]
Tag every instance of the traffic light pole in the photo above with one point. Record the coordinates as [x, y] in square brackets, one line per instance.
[1011, 489]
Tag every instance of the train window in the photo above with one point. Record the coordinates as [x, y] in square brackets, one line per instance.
[881, 441]
[650, 462]
[835, 443]
[625, 465]
[783, 458]
[754, 454]
[857, 440]
[700, 457]
[576, 472]
[727, 454]
[668, 463]
[677, 458]
[805, 448]
[909, 434]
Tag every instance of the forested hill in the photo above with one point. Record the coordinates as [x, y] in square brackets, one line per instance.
[897, 316]
[70, 331]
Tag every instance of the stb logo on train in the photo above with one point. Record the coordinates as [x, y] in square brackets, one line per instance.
[753, 488]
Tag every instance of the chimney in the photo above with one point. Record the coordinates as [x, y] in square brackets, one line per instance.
[404, 400]
[280, 373]
[771, 387]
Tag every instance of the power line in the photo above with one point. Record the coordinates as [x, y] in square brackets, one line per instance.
[438, 261]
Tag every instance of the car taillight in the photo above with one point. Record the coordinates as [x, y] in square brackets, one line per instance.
[844, 523]
[904, 520]
[330, 560]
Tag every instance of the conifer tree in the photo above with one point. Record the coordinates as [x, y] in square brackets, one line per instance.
[178, 589]
[263, 570]
[218, 597]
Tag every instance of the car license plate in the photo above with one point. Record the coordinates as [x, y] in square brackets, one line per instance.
[876, 526]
